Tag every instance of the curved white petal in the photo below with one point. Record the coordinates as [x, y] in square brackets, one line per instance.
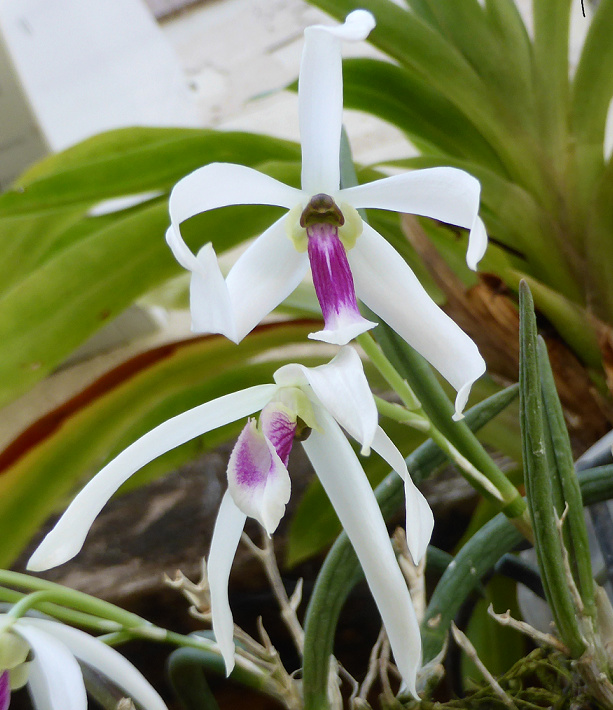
[353, 499]
[209, 301]
[223, 184]
[320, 99]
[226, 536]
[55, 680]
[419, 518]
[385, 283]
[446, 194]
[263, 276]
[258, 480]
[68, 535]
[104, 659]
[342, 388]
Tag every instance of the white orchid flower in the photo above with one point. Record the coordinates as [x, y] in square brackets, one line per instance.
[45, 654]
[302, 399]
[348, 258]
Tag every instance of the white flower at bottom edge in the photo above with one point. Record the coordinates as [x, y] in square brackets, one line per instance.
[319, 398]
[349, 260]
[44, 654]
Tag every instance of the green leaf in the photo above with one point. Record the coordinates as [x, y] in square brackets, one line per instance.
[480, 554]
[95, 269]
[410, 103]
[57, 453]
[133, 161]
[541, 482]
[551, 38]
[574, 526]
[592, 90]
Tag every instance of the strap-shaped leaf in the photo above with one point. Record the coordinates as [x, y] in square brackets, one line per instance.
[541, 479]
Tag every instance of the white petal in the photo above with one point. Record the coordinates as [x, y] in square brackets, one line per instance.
[419, 518]
[219, 185]
[263, 276]
[320, 99]
[226, 536]
[55, 681]
[353, 499]
[342, 388]
[68, 535]
[385, 283]
[209, 301]
[104, 659]
[224, 184]
[447, 194]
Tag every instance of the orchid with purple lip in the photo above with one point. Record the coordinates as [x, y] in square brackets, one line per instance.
[44, 654]
[303, 402]
[348, 258]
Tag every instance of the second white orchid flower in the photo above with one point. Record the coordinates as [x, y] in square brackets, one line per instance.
[45, 654]
[302, 400]
[348, 258]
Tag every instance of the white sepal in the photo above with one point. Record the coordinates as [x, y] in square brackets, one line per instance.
[446, 194]
[68, 535]
[320, 100]
[226, 536]
[419, 518]
[55, 680]
[102, 658]
[350, 493]
[262, 277]
[409, 310]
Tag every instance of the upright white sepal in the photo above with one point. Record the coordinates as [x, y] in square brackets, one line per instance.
[226, 536]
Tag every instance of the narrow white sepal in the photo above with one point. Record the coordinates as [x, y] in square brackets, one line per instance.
[350, 493]
[446, 194]
[209, 300]
[223, 184]
[262, 277]
[320, 99]
[410, 311]
[477, 244]
[55, 681]
[342, 388]
[69, 533]
[419, 518]
[226, 536]
[104, 659]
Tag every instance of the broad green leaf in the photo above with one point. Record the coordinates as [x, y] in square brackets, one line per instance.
[592, 90]
[56, 454]
[506, 74]
[133, 161]
[424, 114]
[551, 38]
